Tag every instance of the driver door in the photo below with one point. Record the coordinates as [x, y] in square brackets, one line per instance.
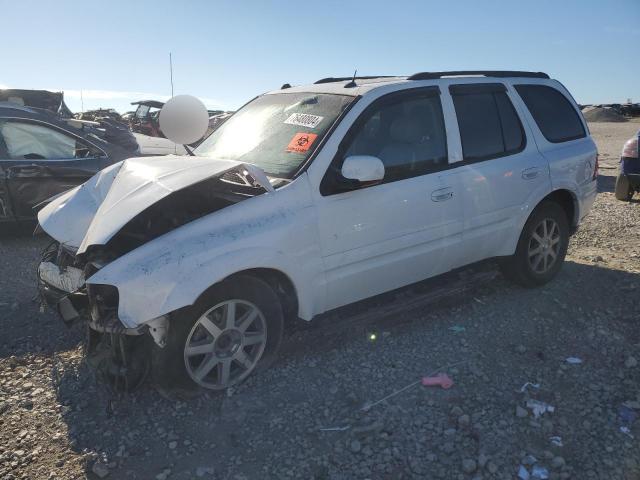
[378, 238]
[40, 161]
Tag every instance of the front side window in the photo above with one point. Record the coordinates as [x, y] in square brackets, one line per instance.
[489, 125]
[556, 118]
[405, 131]
[32, 141]
[276, 132]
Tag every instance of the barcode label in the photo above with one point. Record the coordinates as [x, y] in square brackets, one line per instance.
[304, 120]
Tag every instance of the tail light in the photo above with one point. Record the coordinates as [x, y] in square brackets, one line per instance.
[595, 169]
[630, 149]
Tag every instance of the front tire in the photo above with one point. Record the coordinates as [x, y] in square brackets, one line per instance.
[624, 190]
[233, 329]
[541, 248]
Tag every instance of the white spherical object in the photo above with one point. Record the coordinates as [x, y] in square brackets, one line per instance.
[184, 119]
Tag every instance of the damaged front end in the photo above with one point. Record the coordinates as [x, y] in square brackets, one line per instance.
[119, 355]
[122, 215]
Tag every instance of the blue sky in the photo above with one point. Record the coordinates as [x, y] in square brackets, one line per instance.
[228, 52]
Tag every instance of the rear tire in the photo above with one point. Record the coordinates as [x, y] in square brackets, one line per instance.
[234, 329]
[541, 248]
[624, 190]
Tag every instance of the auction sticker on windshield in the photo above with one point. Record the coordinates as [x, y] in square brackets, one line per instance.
[301, 142]
[304, 120]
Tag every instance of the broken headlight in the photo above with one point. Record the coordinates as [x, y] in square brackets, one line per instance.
[103, 303]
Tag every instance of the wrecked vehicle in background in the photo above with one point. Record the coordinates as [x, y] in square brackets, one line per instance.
[145, 118]
[100, 114]
[43, 154]
[628, 180]
[307, 199]
[41, 99]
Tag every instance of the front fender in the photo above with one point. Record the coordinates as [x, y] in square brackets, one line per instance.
[173, 270]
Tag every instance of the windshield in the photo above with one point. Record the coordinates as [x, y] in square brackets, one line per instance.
[276, 132]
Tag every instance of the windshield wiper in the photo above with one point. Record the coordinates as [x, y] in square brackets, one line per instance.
[191, 154]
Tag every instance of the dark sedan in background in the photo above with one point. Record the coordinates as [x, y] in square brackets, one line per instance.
[43, 154]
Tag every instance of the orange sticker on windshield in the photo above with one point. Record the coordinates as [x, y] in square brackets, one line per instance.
[301, 142]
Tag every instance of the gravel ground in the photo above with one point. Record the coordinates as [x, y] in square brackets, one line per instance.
[57, 422]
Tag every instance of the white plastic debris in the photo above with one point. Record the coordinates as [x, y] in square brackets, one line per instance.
[557, 441]
[540, 473]
[523, 473]
[626, 431]
[529, 384]
[539, 408]
[574, 360]
[335, 429]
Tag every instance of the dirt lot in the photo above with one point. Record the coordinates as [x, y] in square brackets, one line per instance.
[57, 422]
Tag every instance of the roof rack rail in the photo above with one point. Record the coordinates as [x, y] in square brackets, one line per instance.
[486, 73]
[344, 79]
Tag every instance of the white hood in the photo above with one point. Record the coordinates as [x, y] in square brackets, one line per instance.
[95, 211]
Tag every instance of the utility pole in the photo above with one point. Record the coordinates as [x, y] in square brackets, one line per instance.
[171, 73]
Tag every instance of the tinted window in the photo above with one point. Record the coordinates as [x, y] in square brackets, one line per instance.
[556, 118]
[489, 125]
[406, 132]
[511, 126]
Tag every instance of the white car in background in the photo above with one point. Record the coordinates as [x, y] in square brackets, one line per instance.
[310, 198]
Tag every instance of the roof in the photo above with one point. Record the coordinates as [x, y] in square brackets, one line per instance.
[150, 103]
[345, 86]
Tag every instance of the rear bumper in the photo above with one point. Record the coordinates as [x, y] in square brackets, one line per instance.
[587, 197]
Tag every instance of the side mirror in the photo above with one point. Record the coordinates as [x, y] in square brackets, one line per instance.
[365, 169]
[184, 119]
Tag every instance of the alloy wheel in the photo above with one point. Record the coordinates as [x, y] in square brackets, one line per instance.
[225, 344]
[544, 246]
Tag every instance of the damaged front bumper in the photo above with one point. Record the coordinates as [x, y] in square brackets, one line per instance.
[61, 282]
[61, 285]
[121, 356]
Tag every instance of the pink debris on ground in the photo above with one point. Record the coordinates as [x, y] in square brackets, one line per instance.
[441, 379]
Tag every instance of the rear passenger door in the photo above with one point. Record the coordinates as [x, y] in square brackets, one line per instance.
[503, 170]
[561, 136]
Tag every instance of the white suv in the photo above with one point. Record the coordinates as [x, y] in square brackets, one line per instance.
[309, 198]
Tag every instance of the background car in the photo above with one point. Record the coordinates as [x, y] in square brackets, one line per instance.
[43, 154]
[628, 181]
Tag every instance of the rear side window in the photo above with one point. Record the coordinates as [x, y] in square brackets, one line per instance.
[556, 118]
[488, 123]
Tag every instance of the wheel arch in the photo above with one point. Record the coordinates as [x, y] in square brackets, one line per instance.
[281, 284]
[569, 203]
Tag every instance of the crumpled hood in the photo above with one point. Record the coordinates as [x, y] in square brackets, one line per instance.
[95, 211]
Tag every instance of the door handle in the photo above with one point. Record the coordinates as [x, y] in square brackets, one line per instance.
[530, 173]
[442, 194]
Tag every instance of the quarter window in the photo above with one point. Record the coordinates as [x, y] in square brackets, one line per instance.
[489, 125]
[556, 118]
[405, 131]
